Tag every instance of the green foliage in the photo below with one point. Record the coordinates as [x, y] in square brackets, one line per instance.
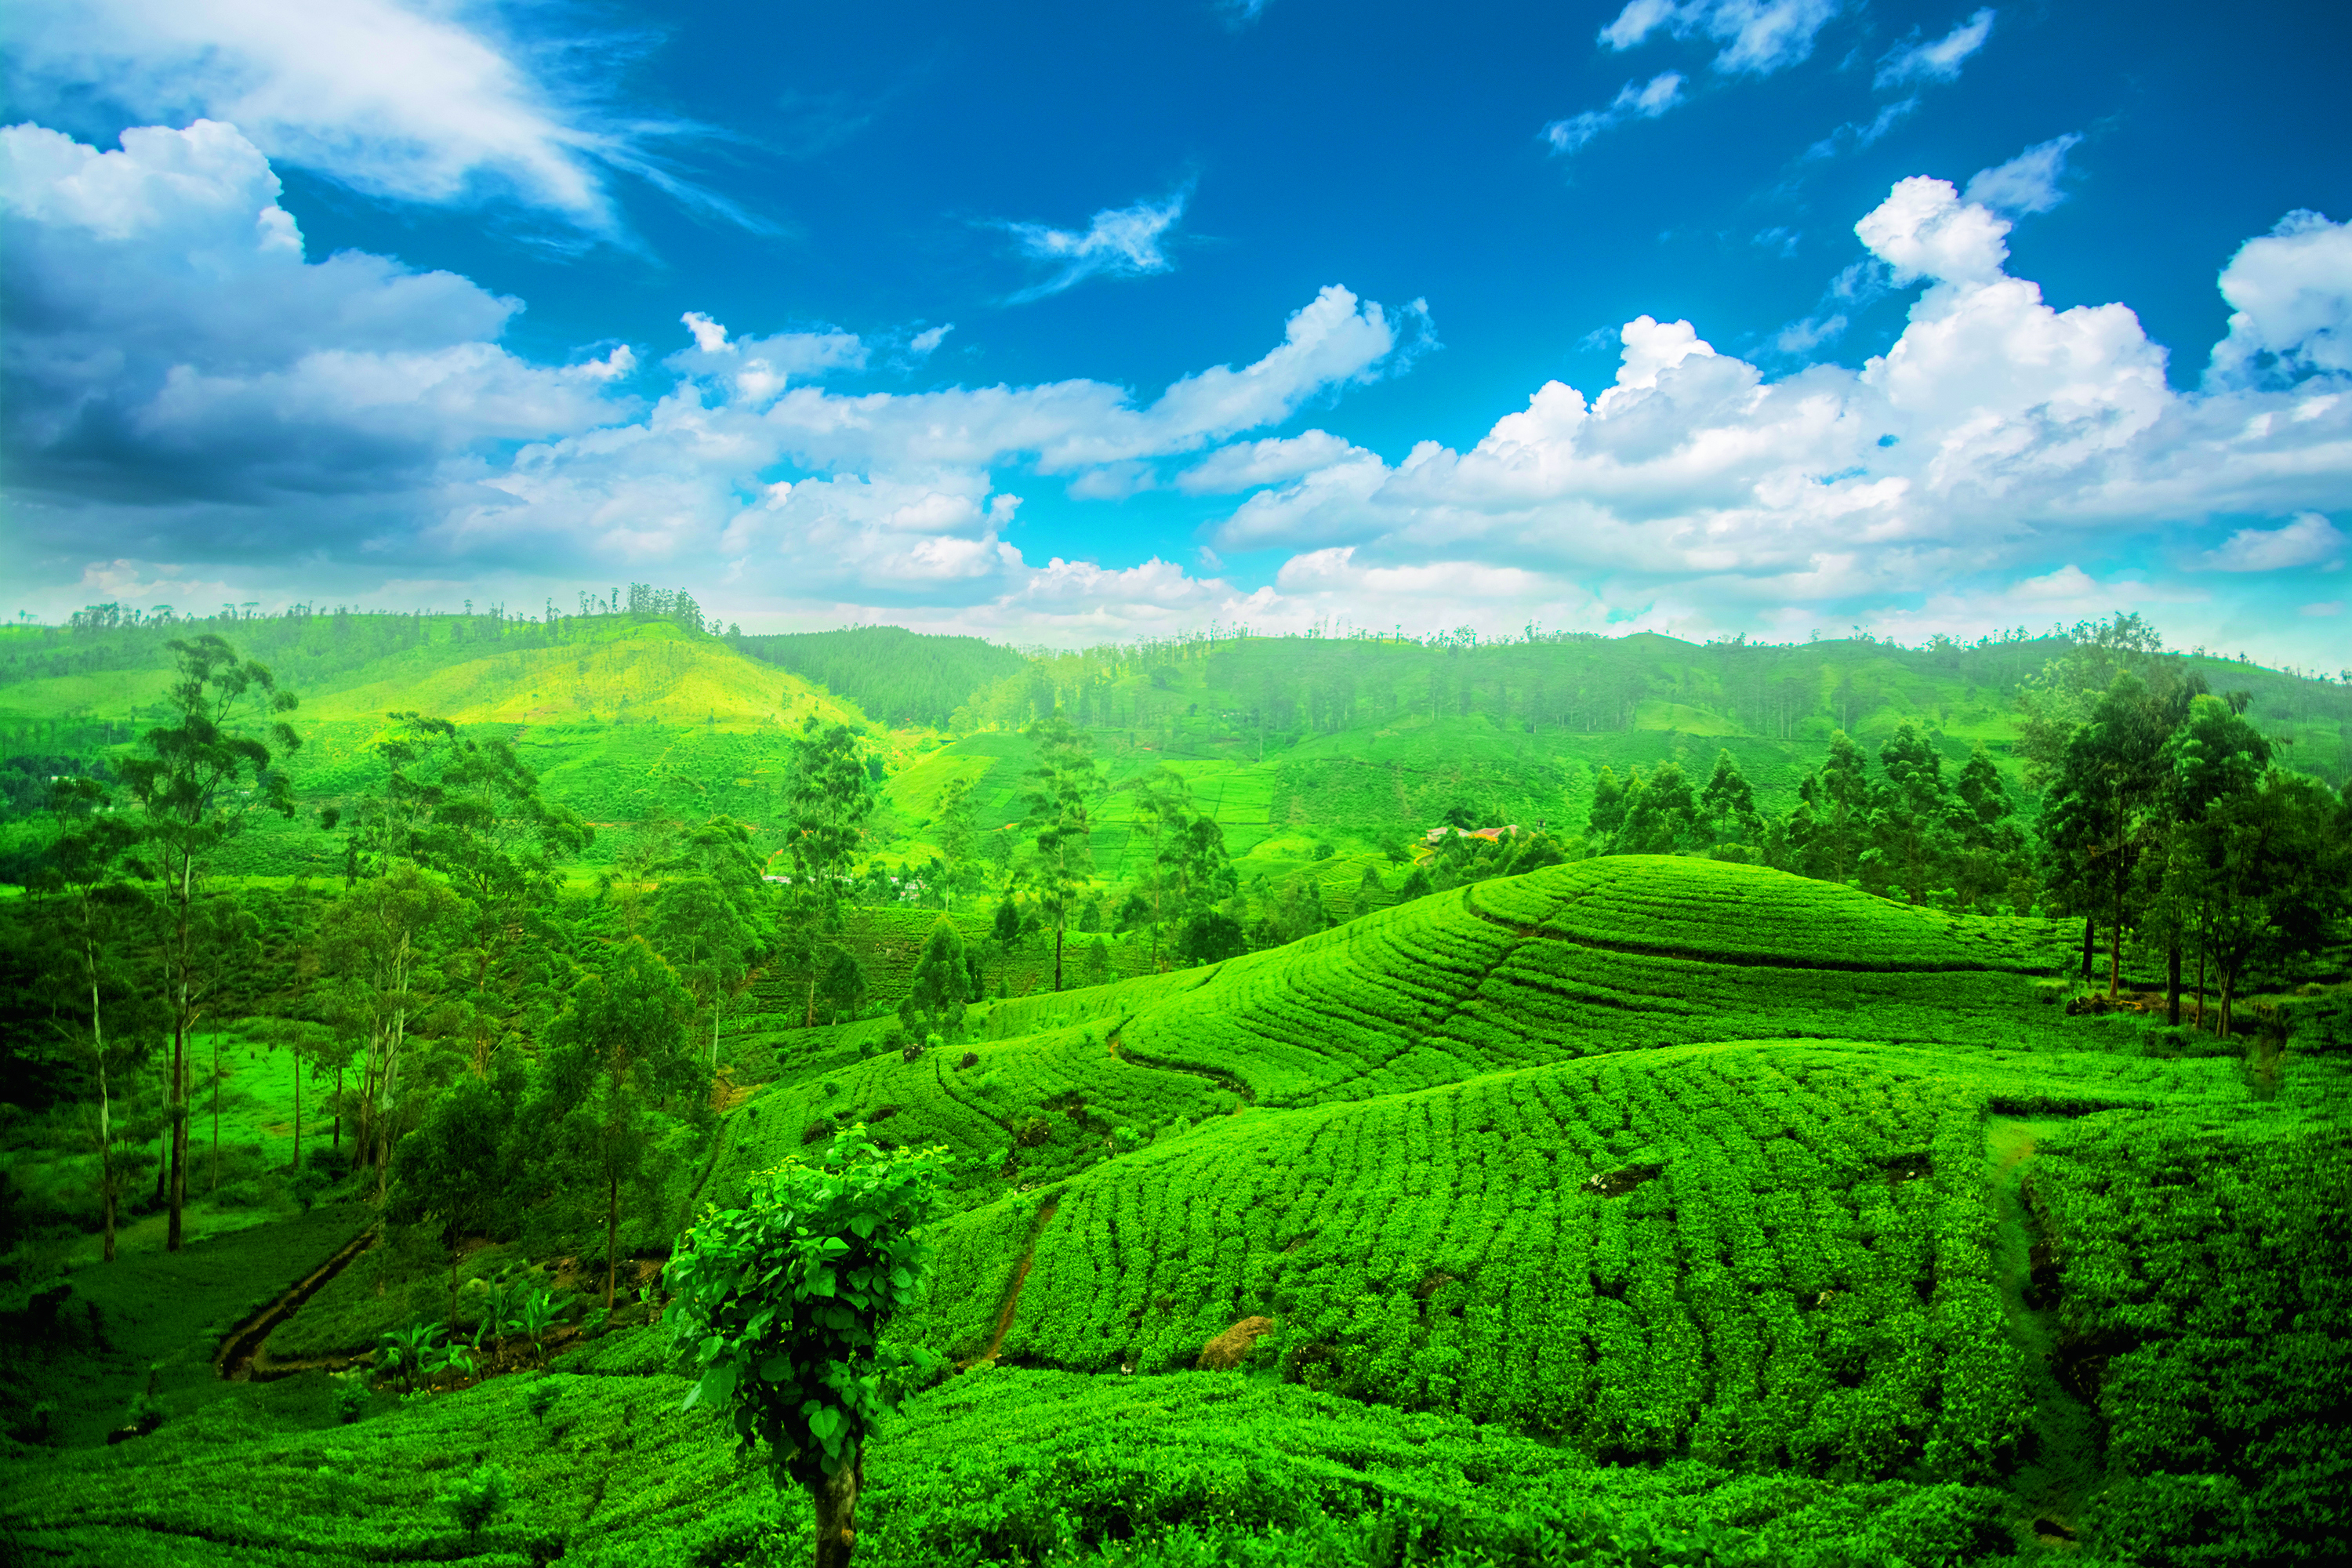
[936, 995]
[897, 676]
[2204, 1301]
[477, 1497]
[781, 1306]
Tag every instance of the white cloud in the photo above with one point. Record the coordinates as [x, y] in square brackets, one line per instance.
[2308, 540]
[1251, 464]
[2291, 294]
[1937, 61]
[923, 342]
[1758, 37]
[2026, 182]
[1924, 229]
[184, 385]
[1804, 337]
[1858, 134]
[1647, 101]
[1994, 430]
[756, 370]
[412, 101]
[1121, 242]
[169, 337]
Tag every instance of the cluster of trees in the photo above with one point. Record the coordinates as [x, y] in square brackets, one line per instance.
[496, 1048]
[2170, 819]
[2167, 820]
[1912, 832]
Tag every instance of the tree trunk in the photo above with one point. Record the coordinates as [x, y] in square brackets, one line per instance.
[836, 1497]
[612, 1233]
[2090, 944]
[335, 1141]
[177, 1110]
[177, 1107]
[2200, 985]
[1057, 958]
[216, 1177]
[2228, 985]
[2172, 985]
[2115, 938]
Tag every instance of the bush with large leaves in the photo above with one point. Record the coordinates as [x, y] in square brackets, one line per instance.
[781, 1304]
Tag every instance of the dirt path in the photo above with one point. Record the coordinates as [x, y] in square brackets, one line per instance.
[235, 1358]
[2063, 1468]
[1020, 1279]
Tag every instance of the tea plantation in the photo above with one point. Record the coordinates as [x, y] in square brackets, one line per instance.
[1635, 1210]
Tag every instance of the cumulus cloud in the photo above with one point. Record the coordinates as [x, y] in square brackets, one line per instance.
[1939, 61]
[1924, 229]
[171, 341]
[411, 101]
[183, 384]
[2026, 182]
[1121, 242]
[1758, 37]
[2290, 292]
[1995, 429]
[757, 370]
[2309, 541]
[1645, 100]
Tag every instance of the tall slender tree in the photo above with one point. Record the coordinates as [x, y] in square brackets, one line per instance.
[197, 779]
[94, 905]
[1062, 783]
[828, 797]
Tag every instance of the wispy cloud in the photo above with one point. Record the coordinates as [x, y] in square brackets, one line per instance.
[1758, 37]
[1937, 61]
[2309, 541]
[1121, 242]
[1857, 134]
[2026, 182]
[403, 100]
[1645, 100]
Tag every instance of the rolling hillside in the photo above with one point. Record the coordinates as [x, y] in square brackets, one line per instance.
[1633, 1200]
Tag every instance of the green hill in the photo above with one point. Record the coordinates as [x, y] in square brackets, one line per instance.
[1638, 1208]
[1633, 1200]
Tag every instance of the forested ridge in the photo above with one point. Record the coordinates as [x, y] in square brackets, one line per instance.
[1232, 1099]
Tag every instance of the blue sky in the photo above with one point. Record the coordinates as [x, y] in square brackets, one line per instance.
[1059, 323]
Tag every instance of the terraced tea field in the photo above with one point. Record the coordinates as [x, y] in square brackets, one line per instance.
[1660, 1159]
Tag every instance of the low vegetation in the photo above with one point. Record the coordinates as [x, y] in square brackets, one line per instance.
[572, 1088]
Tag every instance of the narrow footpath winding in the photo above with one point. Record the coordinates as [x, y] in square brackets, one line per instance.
[2063, 1468]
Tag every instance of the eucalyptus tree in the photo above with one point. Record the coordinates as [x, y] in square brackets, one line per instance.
[828, 797]
[1161, 803]
[96, 909]
[1727, 800]
[197, 779]
[380, 946]
[617, 1056]
[467, 808]
[710, 915]
[1910, 825]
[1062, 783]
[2106, 804]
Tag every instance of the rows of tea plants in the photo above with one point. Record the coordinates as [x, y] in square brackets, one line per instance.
[1297, 1022]
[1767, 1254]
[1714, 908]
[1444, 988]
[2205, 1272]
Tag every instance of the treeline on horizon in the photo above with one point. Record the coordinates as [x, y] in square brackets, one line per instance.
[1274, 689]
